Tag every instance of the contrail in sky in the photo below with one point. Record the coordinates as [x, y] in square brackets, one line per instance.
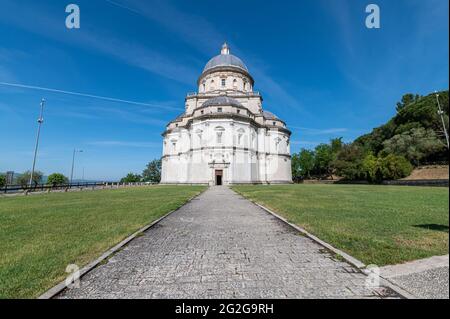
[105, 98]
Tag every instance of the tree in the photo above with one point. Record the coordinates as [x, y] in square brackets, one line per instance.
[407, 99]
[372, 169]
[152, 173]
[336, 145]
[2, 180]
[24, 179]
[57, 179]
[395, 167]
[302, 164]
[131, 178]
[349, 161]
[415, 144]
[413, 112]
[323, 158]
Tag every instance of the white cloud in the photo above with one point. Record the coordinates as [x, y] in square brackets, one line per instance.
[105, 98]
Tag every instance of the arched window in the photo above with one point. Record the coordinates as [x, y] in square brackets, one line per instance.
[212, 85]
[224, 82]
[204, 86]
[235, 84]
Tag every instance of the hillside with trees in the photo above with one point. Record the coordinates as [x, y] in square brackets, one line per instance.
[413, 137]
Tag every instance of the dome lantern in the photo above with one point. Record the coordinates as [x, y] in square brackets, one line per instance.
[225, 49]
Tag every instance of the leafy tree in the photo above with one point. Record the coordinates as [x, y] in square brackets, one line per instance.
[57, 179]
[302, 164]
[391, 167]
[414, 112]
[336, 145]
[131, 178]
[407, 99]
[152, 173]
[349, 162]
[323, 158]
[2, 180]
[372, 168]
[415, 145]
[395, 167]
[24, 179]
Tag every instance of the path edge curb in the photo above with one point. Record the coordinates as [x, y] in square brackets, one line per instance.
[351, 260]
[60, 287]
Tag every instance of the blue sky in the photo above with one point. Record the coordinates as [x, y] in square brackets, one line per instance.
[316, 64]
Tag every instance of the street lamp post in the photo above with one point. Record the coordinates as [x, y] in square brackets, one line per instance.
[73, 162]
[40, 121]
[441, 114]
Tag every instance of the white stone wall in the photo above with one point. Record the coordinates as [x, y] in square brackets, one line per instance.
[233, 81]
[241, 147]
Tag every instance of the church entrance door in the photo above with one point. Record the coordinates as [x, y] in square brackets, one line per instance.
[219, 175]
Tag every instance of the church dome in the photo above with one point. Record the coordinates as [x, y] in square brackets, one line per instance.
[222, 101]
[225, 59]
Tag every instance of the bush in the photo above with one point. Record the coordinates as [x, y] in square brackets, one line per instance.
[391, 167]
[131, 178]
[2, 181]
[395, 167]
[372, 168]
[57, 179]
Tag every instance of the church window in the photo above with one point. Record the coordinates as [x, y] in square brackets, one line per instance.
[219, 133]
[234, 84]
[202, 112]
[274, 123]
[238, 111]
[219, 109]
[223, 83]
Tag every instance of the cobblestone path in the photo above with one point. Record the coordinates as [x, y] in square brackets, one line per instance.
[220, 245]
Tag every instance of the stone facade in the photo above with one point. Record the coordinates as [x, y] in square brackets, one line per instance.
[224, 136]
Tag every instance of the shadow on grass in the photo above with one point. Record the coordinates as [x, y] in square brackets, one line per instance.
[436, 227]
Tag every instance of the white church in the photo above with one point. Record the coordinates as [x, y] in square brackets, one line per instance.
[224, 136]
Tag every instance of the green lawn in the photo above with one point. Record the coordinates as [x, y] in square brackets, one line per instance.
[377, 224]
[41, 234]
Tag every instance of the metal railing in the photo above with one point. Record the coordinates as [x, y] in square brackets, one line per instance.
[11, 189]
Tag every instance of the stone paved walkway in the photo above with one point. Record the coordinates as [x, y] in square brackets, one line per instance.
[424, 279]
[220, 245]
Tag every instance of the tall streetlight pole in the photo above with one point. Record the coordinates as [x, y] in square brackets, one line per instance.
[441, 114]
[73, 162]
[40, 121]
